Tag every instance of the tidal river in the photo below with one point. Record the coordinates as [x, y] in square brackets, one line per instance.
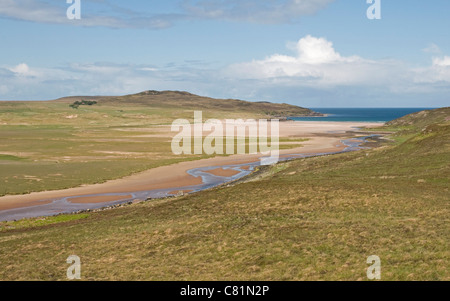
[209, 180]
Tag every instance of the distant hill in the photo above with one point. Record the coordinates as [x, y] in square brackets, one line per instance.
[423, 132]
[422, 119]
[186, 100]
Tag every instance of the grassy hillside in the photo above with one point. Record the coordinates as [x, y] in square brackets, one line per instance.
[186, 101]
[423, 118]
[308, 219]
[417, 121]
[410, 125]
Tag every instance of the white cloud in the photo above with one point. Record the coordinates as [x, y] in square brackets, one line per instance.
[436, 74]
[316, 51]
[152, 69]
[316, 71]
[432, 48]
[22, 70]
[316, 62]
[25, 82]
[314, 74]
[442, 62]
[99, 68]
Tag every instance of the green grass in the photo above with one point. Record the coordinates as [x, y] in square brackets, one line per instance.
[415, 122]
[10, 158]
[308, 219]
[39, 222]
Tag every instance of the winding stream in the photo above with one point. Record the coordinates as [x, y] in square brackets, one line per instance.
[65, 205]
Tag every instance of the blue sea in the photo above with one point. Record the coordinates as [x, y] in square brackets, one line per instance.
[360, 114]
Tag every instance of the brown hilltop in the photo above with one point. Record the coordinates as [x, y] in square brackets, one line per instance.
[188, 101]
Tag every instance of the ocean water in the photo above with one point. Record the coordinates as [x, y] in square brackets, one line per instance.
[360, 114]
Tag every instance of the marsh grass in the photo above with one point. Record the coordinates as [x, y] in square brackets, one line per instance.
[39, 222]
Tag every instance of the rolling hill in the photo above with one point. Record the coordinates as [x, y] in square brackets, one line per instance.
[420, 120]
[188, 101]
[308, 219]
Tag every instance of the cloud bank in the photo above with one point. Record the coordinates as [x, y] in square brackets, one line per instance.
[317, 63]
[314, 72]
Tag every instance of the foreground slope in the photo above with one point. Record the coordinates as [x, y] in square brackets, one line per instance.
[308, 219]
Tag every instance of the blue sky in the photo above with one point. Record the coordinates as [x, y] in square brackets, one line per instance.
[313, 53]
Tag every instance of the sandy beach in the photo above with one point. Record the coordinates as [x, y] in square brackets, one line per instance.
[324, 137]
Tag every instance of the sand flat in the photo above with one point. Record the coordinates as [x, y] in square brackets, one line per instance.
[221, 172]
[176, 175]
[98, 199]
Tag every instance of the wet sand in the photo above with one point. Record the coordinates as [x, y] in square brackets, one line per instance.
[98, 199]
[177, 176]
[221, 172]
